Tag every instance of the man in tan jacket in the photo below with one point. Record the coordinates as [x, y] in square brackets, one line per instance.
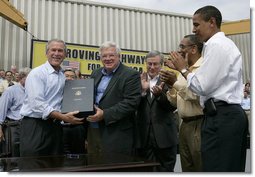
[189, 109]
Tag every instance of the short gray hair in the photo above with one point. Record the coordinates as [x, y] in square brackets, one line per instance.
[56, 40]
[155, 53]
[23, 72]
[109, 44]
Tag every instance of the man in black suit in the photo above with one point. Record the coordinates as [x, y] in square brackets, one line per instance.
[155, 122]
[118, 94]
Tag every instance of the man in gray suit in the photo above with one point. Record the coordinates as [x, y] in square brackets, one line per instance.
[155, 122]
[118, 94]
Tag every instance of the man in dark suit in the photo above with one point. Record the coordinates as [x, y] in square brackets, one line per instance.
[155, 122]
[118, 94]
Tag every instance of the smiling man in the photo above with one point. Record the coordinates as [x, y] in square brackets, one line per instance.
[41, 131]
[157, 132]
[118, 93]
[219, 84]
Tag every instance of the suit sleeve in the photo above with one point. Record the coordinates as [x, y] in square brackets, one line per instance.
[164, 102]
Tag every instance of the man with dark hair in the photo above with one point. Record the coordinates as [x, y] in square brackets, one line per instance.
[189, 109]
[219, 83]
[7, 82]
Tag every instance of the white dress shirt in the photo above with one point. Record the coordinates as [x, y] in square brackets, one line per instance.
[220, 74]
[153, 82]
[11, 102]
[44, 92]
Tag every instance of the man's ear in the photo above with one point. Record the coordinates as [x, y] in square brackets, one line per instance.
[212, 22]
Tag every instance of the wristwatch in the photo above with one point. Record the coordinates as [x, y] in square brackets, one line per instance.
[183, 71]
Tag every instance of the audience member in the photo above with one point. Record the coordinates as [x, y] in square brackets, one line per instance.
[11, 102]
[219, 84]
[74, 136]
[156, 127]
[247, 88]
[70, 74]
[78, 74]
[14, 69]
[41, 130]
[16, 77]
[246, 102]
[118, 92]
[246, 105]
[7, 82]
[189, 109]
[2, 75]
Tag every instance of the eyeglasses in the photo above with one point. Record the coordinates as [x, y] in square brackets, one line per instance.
[156, 64]
[104, 56]
[181, 46]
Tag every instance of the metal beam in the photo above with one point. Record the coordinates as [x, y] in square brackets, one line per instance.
[10, 13]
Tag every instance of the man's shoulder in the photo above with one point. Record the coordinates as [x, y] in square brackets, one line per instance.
[38, 70]
[96, 71]
[128, 69]
[11, 90]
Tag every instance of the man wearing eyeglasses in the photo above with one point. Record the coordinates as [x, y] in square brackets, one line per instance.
[7, 82]
[118, 93]
[188, 106]
[156, 127]
[219, 83]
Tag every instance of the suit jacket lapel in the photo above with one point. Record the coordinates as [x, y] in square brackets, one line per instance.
[97, 78]
[112, 82]
[148, 96]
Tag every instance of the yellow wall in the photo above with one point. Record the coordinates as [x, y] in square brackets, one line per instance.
[236, 27]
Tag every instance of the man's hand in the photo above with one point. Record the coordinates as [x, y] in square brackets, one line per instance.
[144, 81]
[157, 89]
[70, 118]
[168, 62]
[96, 117]
[168, 77]
[178, 61]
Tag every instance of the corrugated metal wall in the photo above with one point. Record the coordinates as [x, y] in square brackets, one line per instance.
[90, 24]
[243, 42]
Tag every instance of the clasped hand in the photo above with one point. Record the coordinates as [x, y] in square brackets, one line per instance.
[168, 77]
[176, 61]
[96, 117]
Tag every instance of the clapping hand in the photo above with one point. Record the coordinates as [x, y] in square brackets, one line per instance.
[144, 81]
[157, 89]
[178, 61]
[168, 77]
[168, 63]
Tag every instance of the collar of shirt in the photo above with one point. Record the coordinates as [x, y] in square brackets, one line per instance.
[197, 64]
[216, 35]
[21, 86]
[105, 73]
[51, 70]
[153, 82]
[154, 78]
